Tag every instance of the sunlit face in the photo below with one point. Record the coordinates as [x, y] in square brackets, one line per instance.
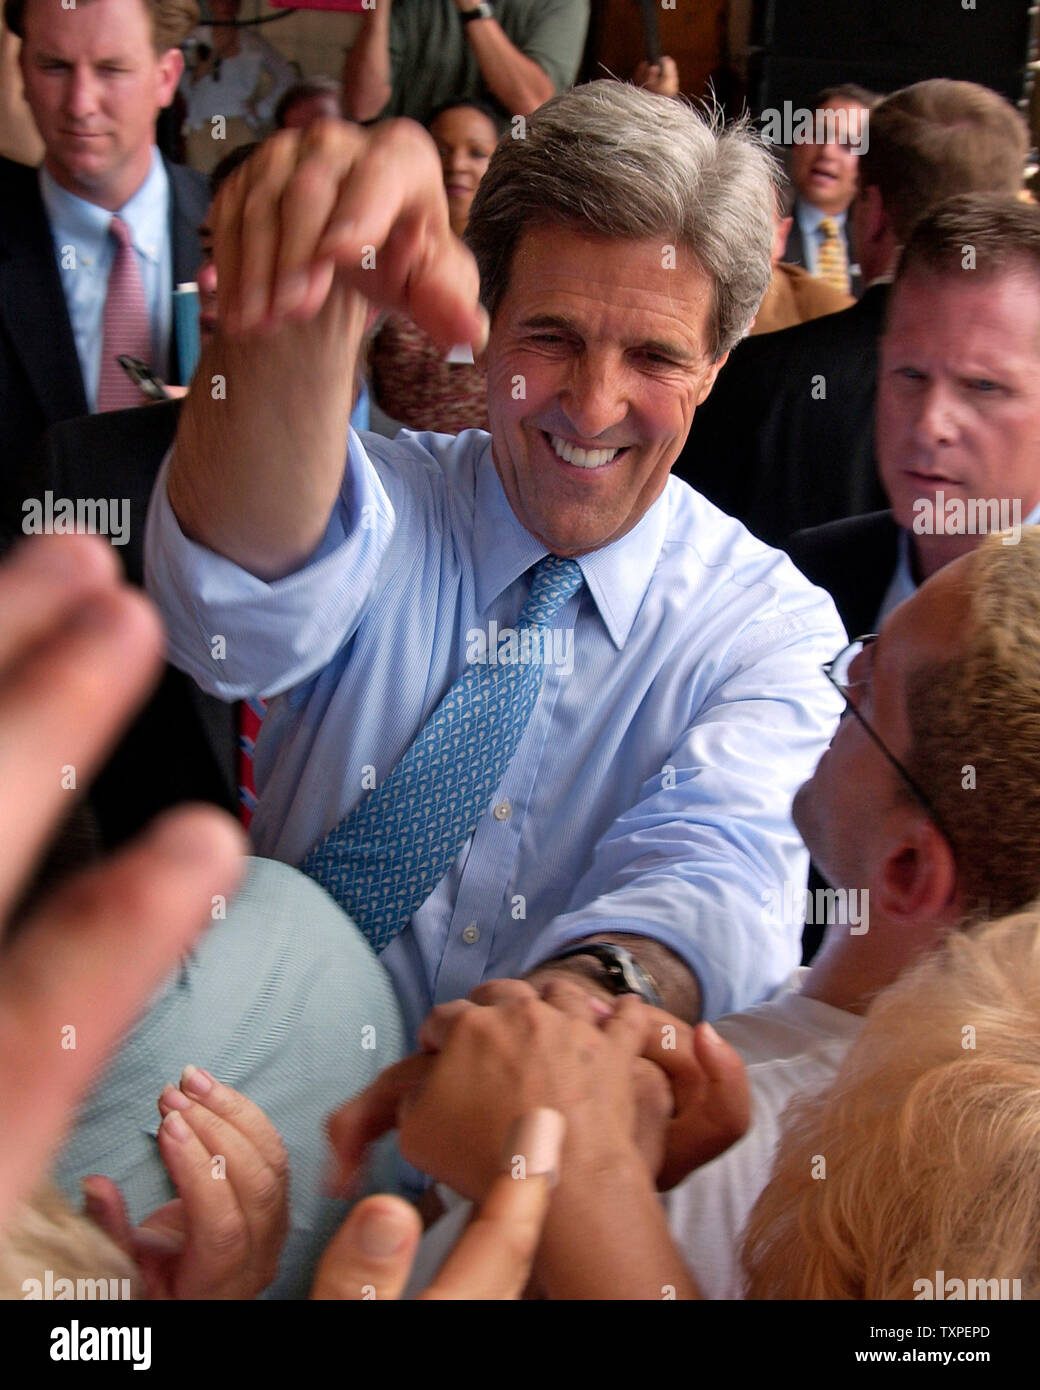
[842, 810]
[825, 174]
[465, 140]
[95, 86]
[597, 359]
[958, 407]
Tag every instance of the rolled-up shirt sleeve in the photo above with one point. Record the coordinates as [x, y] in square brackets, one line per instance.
[699, 862]
[239, 636]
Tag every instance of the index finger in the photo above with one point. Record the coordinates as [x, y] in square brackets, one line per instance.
[370, 1115]
[238, 1110]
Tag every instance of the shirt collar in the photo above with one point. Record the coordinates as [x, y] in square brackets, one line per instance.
[617, 575]
[903, 585]
[146, 213]
[810, 217]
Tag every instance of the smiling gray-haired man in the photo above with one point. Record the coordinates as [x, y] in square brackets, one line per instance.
[481, 818]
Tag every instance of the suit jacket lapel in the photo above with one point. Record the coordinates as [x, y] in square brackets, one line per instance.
[32, 303]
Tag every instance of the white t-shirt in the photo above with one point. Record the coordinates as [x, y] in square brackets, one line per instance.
[789, 1045]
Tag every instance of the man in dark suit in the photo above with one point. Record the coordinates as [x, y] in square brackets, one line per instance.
[823, 172]
[785, 440]
[96, 77]
[958, 410]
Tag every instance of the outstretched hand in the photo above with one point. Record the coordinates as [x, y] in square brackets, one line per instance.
[366, 208]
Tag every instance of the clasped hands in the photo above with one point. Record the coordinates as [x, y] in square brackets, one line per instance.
[631, 1082]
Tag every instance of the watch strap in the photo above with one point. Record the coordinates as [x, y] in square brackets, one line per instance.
[482, 11]
[622, 973]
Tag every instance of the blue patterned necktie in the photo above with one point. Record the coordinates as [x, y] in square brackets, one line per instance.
[384, 859]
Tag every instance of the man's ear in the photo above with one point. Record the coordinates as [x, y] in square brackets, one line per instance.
[874, 221]
[781, 232]
[917, 881]
[170, 66]
[709, 380]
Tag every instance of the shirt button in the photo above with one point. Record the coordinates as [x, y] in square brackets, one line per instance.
[471, 934]
[503, 811]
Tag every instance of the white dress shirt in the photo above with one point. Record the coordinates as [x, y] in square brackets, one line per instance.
[85, 252]
[651, 790]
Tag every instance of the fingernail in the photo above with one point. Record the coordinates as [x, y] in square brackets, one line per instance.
[710, 1033]
[535, 1139]
[601, 1007]
[172, 1099]
[382, 1233]
[175, 1126]
[196, 1081]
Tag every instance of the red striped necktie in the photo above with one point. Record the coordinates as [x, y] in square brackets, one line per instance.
[250, 717]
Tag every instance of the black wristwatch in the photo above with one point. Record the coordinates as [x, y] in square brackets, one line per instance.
[482, 11]
[622, 973]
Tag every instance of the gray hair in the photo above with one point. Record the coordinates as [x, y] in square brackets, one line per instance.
[611, 159]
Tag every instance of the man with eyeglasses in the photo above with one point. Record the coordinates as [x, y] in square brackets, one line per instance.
[924, 806]
[916, 811]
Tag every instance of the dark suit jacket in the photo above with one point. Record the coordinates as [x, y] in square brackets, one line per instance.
[795, 252]
[765, 448]
[40, 380]
[183, 745]
[854, 560]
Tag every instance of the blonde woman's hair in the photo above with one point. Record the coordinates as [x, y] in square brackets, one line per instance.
[46, 1234]
[930, 1137]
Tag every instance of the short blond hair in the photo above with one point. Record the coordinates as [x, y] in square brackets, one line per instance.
[935, 139]
[975, 731]
[930, 1135]
[172, 20]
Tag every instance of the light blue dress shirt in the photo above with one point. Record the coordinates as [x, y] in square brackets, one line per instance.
[809, 218]
[85, 253]
[651, 790]
[903, 585]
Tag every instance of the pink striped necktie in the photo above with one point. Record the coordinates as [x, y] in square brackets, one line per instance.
[125, 325]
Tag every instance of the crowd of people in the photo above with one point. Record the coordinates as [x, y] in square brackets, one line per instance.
[637, 730]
